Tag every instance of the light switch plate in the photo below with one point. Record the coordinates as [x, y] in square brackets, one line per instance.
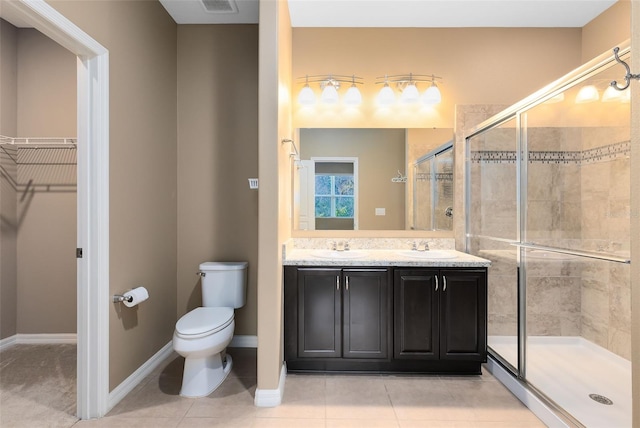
[381, 211]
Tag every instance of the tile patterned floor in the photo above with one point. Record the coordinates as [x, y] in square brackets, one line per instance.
[310, 401]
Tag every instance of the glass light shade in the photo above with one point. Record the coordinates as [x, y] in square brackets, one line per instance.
[353, 96]
[432, 95]
[587, 94]
[306, 97]
[410, 94]
[329, 94]
[611, 94]
[386, 96]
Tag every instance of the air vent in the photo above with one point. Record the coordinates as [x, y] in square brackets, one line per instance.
[220, 6]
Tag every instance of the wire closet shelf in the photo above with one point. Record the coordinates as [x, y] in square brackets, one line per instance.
[39, 164]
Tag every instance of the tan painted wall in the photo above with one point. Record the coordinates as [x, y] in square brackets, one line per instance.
[141, 39]
[479, 66]
[607, 30]
[8, 197]
[47, 220]
[217, 153]
[274, 121]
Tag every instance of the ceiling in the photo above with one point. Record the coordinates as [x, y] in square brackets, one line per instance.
[400, 13]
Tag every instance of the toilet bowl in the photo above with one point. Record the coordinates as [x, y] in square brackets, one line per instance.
[202, 335]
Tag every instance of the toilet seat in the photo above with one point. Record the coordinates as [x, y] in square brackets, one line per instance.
[203, 321]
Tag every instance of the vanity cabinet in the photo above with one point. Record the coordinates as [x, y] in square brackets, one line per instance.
[388, 319]
[440, 314]
[337, 313]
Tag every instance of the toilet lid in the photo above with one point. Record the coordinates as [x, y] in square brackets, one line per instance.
[204, 320]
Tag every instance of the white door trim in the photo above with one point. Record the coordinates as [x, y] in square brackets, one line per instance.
[344, 159]
[93, 198]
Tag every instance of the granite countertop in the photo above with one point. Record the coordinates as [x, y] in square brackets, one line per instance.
[306, 257]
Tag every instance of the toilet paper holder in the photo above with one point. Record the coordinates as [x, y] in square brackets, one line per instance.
[117, 298]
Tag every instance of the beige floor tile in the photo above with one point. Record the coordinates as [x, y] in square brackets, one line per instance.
[28, 398]
[361, 411]
[288, 423]
[306, 409]
[233, 399]
[426, 398]
[438, 424]
[232, 422]
[151, 401]
[361, 423]
[304, 397]
[358, 397]
[122, 422]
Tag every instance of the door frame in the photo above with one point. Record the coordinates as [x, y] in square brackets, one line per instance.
[311, 193]
[92, 198]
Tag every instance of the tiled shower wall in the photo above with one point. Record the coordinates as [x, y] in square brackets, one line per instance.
[577, 198]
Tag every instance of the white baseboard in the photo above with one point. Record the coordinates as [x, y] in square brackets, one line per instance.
[271, 397]
[7, 342]
[38, 339]
[121, 391]
[240, 341]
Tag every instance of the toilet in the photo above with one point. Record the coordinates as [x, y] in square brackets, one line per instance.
[202, 335]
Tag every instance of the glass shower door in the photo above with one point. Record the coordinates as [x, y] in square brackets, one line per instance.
[422, 195]
[492, 225]
[576, 239]
[443, 204]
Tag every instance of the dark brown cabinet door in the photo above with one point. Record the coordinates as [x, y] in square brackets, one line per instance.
[416, 314]
[440, 314]
[463, 307]
[319, 313]
[366, 307]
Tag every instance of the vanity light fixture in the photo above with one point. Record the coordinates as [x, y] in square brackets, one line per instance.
[330, 84]
[407, 84]
[386, 96]
[306, 96]
[587, 94]
[612, 94]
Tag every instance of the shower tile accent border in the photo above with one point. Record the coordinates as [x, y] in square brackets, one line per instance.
[598, 154]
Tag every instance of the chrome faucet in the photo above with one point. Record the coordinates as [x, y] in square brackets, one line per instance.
[424, 244]
[420, 246]
[340, 245]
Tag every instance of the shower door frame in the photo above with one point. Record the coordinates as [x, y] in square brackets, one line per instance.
[519, 112]
[431, 157]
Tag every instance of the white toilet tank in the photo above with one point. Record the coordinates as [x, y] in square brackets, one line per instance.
[224, 284]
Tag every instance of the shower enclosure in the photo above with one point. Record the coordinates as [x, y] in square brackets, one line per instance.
[433, 189]
[548, 202]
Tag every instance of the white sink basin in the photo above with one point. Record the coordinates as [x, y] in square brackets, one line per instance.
[429, 255]
[332, 254]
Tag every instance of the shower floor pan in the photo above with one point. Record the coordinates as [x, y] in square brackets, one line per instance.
[569, 370]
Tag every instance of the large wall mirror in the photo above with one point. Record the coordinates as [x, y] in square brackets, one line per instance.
[372, 179]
